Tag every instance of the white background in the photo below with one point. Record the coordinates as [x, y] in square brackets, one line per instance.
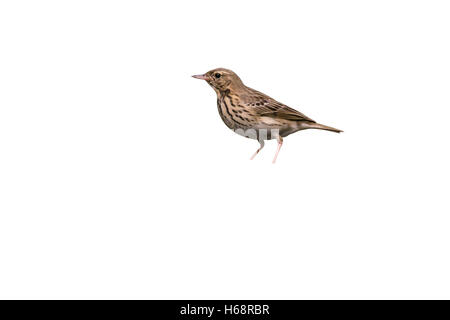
[118, 178]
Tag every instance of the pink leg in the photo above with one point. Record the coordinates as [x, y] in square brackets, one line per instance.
[257, 151]
[280, 143]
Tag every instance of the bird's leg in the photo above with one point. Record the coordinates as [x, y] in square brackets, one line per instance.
[261, 142]
[280, 143]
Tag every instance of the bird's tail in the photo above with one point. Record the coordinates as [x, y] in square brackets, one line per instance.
[322, 127]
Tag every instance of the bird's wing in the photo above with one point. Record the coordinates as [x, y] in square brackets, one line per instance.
[265, 106]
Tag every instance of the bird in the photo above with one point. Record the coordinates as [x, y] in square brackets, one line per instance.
[253, 114]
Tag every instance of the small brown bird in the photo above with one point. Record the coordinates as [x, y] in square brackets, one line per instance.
[253, 114]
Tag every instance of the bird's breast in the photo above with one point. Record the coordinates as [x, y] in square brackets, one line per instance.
[242, 120]
[233, 114]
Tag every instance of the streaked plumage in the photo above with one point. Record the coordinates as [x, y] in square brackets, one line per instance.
[253, 114]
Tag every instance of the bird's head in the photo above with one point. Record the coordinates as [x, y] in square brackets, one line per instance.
[221, 79]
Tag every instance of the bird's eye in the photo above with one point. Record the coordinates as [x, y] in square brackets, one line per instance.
[217, 75]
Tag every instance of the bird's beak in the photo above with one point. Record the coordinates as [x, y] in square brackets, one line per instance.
[201, 77]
